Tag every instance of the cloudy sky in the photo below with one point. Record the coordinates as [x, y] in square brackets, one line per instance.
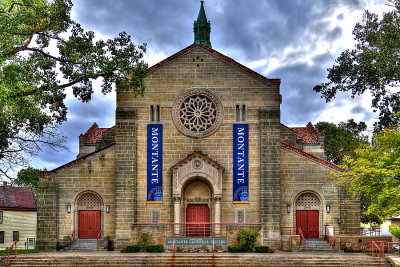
[294, 40]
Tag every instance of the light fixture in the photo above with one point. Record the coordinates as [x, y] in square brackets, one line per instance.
[328, 208]
[288, 208]
[69, 208]
[108, 208]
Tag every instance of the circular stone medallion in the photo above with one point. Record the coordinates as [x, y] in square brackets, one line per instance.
[197, 112]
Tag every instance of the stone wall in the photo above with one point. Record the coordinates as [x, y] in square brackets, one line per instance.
[300, 174]
[47, 211]
[94, 174]
[199, 68]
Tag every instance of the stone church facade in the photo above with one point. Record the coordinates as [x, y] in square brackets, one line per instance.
[202, 153]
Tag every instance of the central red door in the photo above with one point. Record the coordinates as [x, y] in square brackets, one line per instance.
[196, 215]
[89, 223]
[308, 220]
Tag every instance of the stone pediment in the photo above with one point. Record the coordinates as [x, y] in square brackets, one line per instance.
[197, 164]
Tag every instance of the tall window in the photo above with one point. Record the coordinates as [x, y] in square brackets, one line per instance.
[15, 235]
[1, 217]
[240, 216]
[1, 237]
[155, 216]
[155, 113]
[240, 112]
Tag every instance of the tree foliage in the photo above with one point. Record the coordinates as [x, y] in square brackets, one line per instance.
[374, 171]
[374, 65]
[43, 52]
[341, 140]
[28, 177]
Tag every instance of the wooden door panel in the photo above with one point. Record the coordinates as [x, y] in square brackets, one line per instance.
[308, 220]
[195, 214]
[89, 223]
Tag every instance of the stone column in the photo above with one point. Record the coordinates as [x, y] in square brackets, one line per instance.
[270, 187]
[217, 216]
[47, 213]
[177, 215]
[125, 174]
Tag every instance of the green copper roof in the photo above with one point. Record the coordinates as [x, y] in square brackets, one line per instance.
[202, 28]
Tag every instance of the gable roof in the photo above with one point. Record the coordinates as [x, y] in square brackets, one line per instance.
[218, 55]
[312, 157]
[17, 198]
[198, 153]
[76, 161]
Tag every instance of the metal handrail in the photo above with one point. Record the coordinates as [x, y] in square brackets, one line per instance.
[97, 240]
[377, 248]
[302, 238]
[330, 238]
[13, 245]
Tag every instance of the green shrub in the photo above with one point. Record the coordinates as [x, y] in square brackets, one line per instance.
[130, 249]
[247, 239]
[262, 249]
[395, 230]
[154, 248]
[143, 241]
[235, 249]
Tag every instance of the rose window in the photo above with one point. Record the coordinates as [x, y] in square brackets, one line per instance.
[197, 113]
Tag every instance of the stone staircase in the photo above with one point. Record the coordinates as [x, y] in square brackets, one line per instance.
[317, 245]
[84, 244]
[280, 259]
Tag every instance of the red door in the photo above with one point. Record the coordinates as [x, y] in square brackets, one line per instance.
[308, 220]
[196, 214]
[89, 223]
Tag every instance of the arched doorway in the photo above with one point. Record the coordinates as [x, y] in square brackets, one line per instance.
[197, 199]
[308, 214]
[89, 215]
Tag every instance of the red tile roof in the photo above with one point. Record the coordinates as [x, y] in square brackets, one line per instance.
[312, 157]
[94, 134]
[200, 155]
[17, 198]
[218, 54]
[308, 134]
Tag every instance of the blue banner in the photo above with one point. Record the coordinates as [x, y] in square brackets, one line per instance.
[154, 163]
[240, 163]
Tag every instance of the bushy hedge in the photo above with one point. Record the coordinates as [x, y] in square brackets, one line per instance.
[148, 248]
[235, 249]
[247, 239]
[262, 249]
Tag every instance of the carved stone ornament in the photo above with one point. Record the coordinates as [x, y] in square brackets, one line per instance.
[197, 112]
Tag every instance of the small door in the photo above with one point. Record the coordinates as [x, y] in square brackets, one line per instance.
[196, 214]
[308, 220]
[89, 223]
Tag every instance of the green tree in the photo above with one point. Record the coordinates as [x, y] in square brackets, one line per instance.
[373, 65]
[374, 172]
[43, 52]
[341, 140]
[28, 177]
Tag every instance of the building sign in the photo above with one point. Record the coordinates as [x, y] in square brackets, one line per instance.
[240, 163]
[154, 163]
[196, 241]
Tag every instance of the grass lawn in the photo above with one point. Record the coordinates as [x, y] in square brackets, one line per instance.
[18, 251]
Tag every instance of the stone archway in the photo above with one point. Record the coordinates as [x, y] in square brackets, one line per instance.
[197, 180]
[89, 215]
[308, 214]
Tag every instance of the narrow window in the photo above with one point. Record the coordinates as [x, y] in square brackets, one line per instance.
[151, 113]
[243, 112]
[15, 235]
[158, 113]
[237, 113]
[240, 216]
[1, 217]
[1, 237]
[155, 216]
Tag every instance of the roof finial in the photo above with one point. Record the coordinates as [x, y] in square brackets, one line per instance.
[202, 28]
